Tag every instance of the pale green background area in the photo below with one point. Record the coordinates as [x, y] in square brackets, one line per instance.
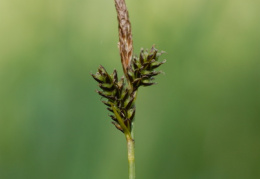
[200, 122]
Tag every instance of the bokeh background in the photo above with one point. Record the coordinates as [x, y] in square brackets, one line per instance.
[200, 122]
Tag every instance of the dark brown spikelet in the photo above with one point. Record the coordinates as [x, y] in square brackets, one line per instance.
[125, 34]
[116, 95]
[142, 68]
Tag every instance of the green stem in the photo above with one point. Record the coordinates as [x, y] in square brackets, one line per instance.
[131, 143]
[131, 156]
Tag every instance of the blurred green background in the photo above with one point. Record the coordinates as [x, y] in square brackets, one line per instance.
[201, 121]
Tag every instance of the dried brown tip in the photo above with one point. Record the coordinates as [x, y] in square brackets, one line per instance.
[125, 34]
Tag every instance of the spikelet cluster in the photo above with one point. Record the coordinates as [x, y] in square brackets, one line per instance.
[120, 98]
[142, 69]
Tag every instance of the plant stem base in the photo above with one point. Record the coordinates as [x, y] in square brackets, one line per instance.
[131, 156]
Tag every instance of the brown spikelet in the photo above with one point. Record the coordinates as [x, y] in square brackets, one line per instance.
[125, 34]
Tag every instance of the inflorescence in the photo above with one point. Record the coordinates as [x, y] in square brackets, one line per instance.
[120, 97]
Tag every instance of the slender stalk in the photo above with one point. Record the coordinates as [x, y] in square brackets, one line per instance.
[131, 143]
[131, 156]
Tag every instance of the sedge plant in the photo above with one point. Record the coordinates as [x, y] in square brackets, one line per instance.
[120, 94]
